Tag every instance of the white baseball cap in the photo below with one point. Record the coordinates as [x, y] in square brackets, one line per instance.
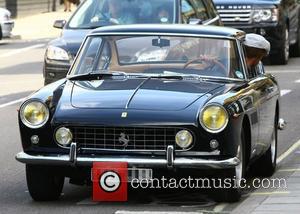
[257, 41]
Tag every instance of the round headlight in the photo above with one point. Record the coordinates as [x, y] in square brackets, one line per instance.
[213, 118]
[63, 136]
[184, 139]
[266, 15]
[262, 15]
[34, 114]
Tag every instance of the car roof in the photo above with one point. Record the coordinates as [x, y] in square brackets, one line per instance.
[171, 28]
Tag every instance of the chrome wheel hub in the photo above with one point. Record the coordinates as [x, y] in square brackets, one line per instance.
[239, 168]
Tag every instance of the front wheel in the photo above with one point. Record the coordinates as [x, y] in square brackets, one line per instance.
[265, 166]
[282, 55]
[295, 49]
[43, 184]
[233, 179]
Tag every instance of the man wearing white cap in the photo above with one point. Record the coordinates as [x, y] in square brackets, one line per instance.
[257, 47]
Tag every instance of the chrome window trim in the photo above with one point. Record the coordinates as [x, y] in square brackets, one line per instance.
[163, 34]
[211, 20]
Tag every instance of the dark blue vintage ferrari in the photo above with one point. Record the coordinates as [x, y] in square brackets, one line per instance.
[156, 97]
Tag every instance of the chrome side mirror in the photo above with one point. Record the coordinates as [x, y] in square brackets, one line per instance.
[261, 68]
[59, 24]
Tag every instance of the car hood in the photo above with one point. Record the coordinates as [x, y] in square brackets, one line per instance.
[140, 94]
[70, 40]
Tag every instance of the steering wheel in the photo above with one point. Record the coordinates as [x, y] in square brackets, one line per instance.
[105, 18]
[211, 61]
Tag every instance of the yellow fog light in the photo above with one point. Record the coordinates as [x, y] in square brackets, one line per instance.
[184, 139]
[34, 114]
[63, 136]
[214, 118]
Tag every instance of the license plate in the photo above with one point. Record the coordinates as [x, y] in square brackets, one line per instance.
[140, 174]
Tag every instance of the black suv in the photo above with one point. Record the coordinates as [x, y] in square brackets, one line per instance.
[96, 13]
[277, 20]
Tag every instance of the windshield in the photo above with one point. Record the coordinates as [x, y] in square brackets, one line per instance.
[157, 55]
[96, 13]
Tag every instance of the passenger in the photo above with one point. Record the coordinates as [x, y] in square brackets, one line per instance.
[164, 14]
[256, 47]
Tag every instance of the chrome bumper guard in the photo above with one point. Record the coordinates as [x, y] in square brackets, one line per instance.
[169, 162]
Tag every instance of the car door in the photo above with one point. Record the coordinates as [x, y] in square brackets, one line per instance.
[266, 89]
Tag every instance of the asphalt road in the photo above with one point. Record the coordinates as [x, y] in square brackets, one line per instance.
[21, 74]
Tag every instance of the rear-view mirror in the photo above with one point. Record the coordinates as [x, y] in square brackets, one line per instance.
[160, 42]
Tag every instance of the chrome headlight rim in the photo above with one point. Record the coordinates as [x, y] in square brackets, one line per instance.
[191, 144]
[56, 141]
[26, 122]
[272, 17]
[204, 126]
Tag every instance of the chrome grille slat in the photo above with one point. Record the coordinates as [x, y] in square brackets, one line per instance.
[141, 139]
[235, 14]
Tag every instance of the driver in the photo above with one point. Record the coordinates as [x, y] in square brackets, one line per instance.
[118, 14]
[256, 47]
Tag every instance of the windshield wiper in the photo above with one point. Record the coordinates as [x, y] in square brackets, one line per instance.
[177, 77]
[96, 76]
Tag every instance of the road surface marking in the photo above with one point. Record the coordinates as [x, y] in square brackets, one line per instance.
[288, 152]
[270, 193]
[282, 71]
[12, 102]
[284, 92]
[220, 207]
[289, 170]
[297, 81]
[154, 212]
[10, 53]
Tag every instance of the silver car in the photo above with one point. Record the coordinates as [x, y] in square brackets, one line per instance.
[6, 24]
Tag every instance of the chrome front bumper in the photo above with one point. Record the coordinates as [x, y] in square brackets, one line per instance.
[169, 162]
[7, 27]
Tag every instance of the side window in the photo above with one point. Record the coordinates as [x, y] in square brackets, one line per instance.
[105, 56]
[212, 11]
[87, 62]
[201, 10]
[187, 11]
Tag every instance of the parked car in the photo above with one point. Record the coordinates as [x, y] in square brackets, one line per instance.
[6, 24]
[277, 20]
[165, 97]
[95, 13]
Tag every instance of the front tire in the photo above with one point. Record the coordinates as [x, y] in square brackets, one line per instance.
[236, 177]
[295, 49]
[265, 166]
[282, 56]
[43, 184]
[1, 35]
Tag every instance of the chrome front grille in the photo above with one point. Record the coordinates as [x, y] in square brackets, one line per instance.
[125, 138]
[235, 14]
